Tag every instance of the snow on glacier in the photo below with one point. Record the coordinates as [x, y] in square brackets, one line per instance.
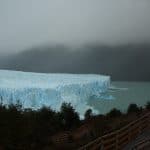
[34, 90]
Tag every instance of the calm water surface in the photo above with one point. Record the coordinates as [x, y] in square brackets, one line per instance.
[124, 94]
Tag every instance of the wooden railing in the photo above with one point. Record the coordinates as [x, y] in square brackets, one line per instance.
[118, 139]
[142, 144]
[61, 138]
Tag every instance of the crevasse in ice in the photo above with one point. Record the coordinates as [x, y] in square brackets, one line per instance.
[34, 90]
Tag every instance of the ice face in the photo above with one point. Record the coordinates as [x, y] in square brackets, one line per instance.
[35, 90]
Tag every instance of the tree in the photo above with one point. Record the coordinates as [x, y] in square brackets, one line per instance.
[133, 108]
[69, 115]
[88, 114]
[114, 113]
[147, 105]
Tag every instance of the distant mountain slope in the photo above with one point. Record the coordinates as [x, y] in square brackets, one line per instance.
[129, 62]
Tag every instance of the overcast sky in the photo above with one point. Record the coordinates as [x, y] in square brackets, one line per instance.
[28, 23]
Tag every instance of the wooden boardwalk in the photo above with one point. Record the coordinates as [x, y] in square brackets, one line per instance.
[118, 139]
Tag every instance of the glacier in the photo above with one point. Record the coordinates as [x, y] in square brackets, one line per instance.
[34, 90]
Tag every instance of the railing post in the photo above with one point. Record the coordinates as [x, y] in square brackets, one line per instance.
[117, 142]
[148, 121]
[139, 128]
[102, 146]
[129, 133]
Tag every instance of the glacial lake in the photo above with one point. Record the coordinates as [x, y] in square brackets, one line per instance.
[123, 94]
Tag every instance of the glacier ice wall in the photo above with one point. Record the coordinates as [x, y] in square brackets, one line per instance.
[35, 90]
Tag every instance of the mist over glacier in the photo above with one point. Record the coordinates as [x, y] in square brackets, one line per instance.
[34, 90]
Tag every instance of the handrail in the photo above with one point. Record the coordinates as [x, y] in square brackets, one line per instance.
[141, 144]
[137, 126]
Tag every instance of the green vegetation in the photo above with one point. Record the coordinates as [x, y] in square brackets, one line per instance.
[133, 108]
[114, 113]
[29, 129]
[70, 117]
[88, 114]
[148, 105]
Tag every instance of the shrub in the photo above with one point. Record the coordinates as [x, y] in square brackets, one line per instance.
[114, 113]
[133, 108]
[88, 114]
[69, 115]
[147, 106]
